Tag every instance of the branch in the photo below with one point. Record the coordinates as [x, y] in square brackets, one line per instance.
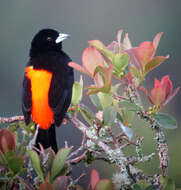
[11, 119]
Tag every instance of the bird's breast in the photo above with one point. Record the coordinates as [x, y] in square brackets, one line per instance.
[40, 79]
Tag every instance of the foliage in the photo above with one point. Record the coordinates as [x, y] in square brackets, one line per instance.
[117, 72]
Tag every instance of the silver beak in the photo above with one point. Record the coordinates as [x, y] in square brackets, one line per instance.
[62, 37]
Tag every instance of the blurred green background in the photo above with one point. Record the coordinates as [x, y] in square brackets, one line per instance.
[87, 20]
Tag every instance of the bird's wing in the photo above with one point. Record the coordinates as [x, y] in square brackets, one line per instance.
[26, 100]
[60, 93]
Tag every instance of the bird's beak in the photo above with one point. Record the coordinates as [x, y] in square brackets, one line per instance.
[62, 37]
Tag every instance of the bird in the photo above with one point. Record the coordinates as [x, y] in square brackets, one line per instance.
[47, 86]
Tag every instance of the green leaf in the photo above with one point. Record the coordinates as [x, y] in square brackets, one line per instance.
[59, 162]
[36, 163]
[121, 61]
[87, 114]
[15, 164]
[3, 161]
[48, 165]
[155, 62]
[106, 99]
[95, 100]
[109, 115]
[151, 187]
[166, 121]
[167, 183]
[143, 184]
[137, 187]
[77, 91]
[104, 184]
[130, 106]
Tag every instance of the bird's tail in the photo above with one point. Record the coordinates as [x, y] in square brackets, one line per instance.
[47, 138]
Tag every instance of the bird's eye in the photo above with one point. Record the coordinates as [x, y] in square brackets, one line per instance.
[49, 39]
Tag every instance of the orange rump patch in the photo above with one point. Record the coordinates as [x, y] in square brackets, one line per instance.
[40, 84]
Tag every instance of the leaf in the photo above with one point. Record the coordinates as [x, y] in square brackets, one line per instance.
[91, 58]
[102, 48]
[48, 164]
[145, 52]
[105, 99]
[87, 114]
[59, 162]
[3, 161]
[46, 186]
[7, 141]
[60, 183]
[104, 184]
[155, 62]
[137, 187]
[119, 34]
[156, 40]
[120, 61]
[126, 42]
[143, 184]
[130, 106]
[95, 100]
[166, 121]
[77, 91]
[79, 68]
[15, 164]
[127, 130]
[94, 179]
[78, 187]
[151, 187]
[167, 183]
[36, 163]
[109, 115]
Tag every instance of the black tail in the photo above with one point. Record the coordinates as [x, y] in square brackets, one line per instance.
[47, 138]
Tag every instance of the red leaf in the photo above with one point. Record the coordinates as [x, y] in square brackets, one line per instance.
[91, 58]
[156, 40]
[46, 186]
[158, 93]
[134, 60]
[166, 85]
[94, 179]
[145, 52]
[7, 141]
[147, 94]
[171, 96]
[79, 68]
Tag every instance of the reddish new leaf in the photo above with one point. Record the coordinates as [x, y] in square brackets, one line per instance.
[156, 40]
[79, 68]
[46, 186]
[7, 141]
[145, 52]
[94, 179]
[91, 58]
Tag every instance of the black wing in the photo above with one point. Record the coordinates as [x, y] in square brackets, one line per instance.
[26, 100]
[60, 92]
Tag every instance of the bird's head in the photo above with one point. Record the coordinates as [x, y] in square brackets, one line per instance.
[47, 40]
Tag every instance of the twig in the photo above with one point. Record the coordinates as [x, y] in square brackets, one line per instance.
[11, 119]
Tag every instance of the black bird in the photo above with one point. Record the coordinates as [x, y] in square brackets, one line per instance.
[47, 85]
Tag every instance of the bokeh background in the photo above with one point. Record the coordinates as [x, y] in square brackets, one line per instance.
[87, 20]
